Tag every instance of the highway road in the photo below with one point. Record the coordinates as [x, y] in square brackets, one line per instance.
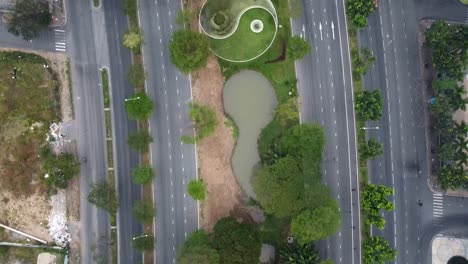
[119, 62]
[325, 89]
[391, 35]
[89, 114]
[175, 163]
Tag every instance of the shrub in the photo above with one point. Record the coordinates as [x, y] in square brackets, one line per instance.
[143, 175]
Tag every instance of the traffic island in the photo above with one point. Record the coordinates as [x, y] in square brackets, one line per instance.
[449, 250]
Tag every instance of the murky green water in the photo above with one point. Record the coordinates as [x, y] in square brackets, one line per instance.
[250, 100]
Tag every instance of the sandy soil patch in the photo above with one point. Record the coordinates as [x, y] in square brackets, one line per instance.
[28, 214]
[215, 151]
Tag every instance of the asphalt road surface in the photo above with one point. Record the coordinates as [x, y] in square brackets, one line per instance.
[392, 36]
[175, 163]
[126, 159]
[89, 114]
[325, 88]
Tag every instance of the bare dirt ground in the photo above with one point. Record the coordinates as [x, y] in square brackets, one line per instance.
[30, 214]
[215, 151]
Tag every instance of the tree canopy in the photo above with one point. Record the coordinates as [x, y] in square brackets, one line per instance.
[139, 106]
[188, 50]
[319, 223]
[362, 62]
[30, 17]
[237, 243]
[280, 188]
[204, 120]
[196, 189]
[58, 168]
[377, 250]
[197, 250]
[104, 196]
[144, 211]
[374, 198]
[368, 105]
[297, 48]
[132, 39]
[144, 243]
[358, 11]
[296, 253]
[287, 113]
[370, 150]
[305, 142]
[139, 140]
[449, 48]
[143, 174]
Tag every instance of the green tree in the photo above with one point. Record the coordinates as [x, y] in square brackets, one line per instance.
[358, 11]
[311, 225]
[237, 243]
[374, 198]
[139, 140]
[453, 177]
[139, 106]
[136, 75]
[188, 50]
[132, 39]
[449, 49]
[30, 17]
[287, 113]
[305, 142]
[144, 243]
[58, 168]
[370, 150]
[296, 253]
[144, 211]
[454, 93]
[377, 250]
[204, 120]
[103, 195]
[196, 189]
[362, 62]
[143, 174]
[197, 250]
[298, 47]
[280, 188]
[368, 105]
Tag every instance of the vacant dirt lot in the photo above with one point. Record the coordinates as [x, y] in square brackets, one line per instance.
[28, 105]
[215, 151]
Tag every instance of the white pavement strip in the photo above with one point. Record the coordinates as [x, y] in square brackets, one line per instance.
[437, 207]
[60, 39]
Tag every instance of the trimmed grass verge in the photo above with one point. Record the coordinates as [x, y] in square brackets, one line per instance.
[110, 155]
[253, 44]
[96, 3]
[361, 133]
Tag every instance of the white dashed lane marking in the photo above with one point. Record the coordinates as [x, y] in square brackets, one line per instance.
[60, 37]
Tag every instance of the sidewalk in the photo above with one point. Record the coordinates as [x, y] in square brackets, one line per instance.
[59, 17]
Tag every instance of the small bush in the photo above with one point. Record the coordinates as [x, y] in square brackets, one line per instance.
[139, 141]
[143, 175]
[196, 189]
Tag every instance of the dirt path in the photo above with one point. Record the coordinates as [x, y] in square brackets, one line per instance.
[215, 151]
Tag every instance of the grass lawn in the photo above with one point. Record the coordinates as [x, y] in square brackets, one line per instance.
[464, 2]
[245, 44]
[28, 101]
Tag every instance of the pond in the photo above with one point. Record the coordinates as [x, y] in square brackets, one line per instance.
[250, 100]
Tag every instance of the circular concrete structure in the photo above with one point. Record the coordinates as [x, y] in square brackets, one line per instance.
[256, 26]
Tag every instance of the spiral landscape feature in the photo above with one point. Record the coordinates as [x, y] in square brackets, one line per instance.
[239, 30]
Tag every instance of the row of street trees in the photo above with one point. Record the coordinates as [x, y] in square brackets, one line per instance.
[449, 56]
[369, 106]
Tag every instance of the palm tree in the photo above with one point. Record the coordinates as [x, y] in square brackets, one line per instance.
[299, 254]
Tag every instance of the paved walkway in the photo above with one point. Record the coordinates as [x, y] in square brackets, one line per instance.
[443, 248]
